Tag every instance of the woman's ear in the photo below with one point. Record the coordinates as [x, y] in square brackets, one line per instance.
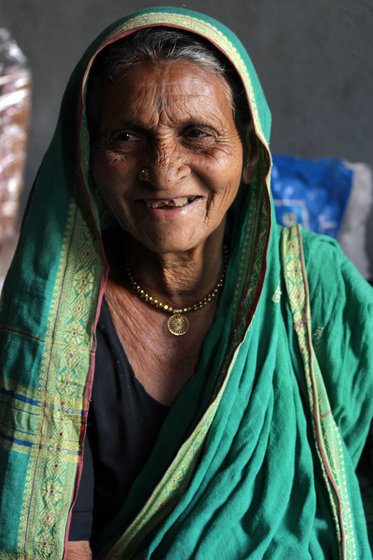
[250, 155]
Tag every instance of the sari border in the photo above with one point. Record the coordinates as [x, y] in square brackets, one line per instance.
[327, 438]
[60, 426]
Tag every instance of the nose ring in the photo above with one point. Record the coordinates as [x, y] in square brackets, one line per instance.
[144, 174]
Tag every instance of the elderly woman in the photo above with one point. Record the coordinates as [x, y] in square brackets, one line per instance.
[164, 393]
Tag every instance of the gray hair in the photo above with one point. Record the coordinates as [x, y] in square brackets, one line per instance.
[161, 44]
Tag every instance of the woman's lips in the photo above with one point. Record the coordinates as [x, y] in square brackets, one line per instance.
[170, 203]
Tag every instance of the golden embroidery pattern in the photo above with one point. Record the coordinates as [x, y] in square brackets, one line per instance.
[328, 442]
[57, 432]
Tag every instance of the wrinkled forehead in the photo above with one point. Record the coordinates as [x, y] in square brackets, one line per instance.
[201, 28]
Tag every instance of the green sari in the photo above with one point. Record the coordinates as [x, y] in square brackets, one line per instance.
[249, 462]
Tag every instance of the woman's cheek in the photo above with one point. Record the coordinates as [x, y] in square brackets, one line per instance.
[106, 176]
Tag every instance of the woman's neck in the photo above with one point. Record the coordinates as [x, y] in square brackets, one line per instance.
[179, 279]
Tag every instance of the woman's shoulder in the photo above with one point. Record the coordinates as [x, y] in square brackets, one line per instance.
[329, 271]
[341, 307]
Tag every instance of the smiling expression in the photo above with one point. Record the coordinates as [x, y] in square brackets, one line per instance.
[176, 120]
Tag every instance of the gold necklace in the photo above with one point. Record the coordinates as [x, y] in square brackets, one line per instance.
[178, 323]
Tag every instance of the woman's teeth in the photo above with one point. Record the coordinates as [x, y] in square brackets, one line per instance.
[170, 203]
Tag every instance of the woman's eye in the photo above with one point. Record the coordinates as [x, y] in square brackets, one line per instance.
[128, 137]
[126, 140]
[199, 136]
[197, 133]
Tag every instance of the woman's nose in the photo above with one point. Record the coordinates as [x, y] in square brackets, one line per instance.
[168, 166]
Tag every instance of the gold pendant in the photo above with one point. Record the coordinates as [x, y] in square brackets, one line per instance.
[178, 324]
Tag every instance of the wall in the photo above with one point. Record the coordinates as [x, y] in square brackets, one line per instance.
[314, 58]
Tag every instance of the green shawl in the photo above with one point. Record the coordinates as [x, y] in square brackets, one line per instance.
[237, 470]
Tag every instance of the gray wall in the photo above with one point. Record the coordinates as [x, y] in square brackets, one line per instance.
[314, 58]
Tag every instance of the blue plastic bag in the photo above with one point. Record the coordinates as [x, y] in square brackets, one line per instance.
[311, 193]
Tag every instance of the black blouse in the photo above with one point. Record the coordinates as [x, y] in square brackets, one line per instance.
[123, 425]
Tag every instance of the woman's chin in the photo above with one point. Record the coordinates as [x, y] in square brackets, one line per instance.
[177, 238]
[170, 246]
[175, 242]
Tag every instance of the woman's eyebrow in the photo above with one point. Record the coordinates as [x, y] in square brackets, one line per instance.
[137, 123]
[131, 122]
[122, 124]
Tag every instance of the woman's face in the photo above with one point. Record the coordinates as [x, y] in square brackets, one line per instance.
[176, 120]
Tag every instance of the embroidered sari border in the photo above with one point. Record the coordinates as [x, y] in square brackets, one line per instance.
[57, 435]
[328, 441]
